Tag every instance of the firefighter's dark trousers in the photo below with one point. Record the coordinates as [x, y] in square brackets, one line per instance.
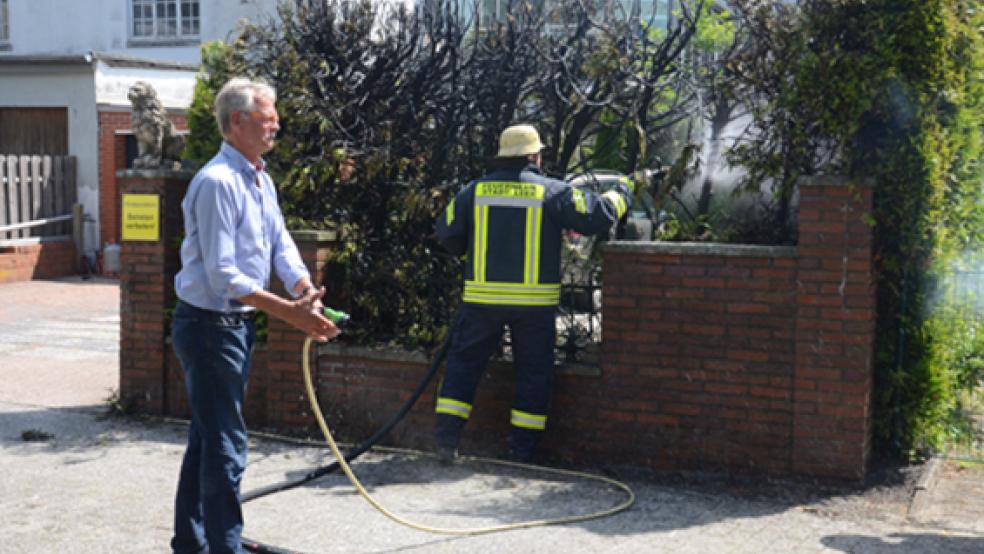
[475, 336]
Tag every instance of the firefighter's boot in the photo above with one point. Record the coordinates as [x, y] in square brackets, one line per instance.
[447, 431]
[522, 443]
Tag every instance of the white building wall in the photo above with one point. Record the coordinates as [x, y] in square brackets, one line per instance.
[174, 88]
[82, 88]
[78, 27]
[69, 86]
[65, 26]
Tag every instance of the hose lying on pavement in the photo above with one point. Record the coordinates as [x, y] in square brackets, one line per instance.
[344, 459]
[256, 546]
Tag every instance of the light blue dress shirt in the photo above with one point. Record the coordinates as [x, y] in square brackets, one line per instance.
[234, 232]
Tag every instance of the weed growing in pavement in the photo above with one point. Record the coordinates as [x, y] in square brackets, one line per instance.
[116, 406]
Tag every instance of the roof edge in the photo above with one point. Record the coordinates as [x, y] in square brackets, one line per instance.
[112, 60]
[119, 60]
[47, 59]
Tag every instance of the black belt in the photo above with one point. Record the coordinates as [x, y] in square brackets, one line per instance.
[219, 317]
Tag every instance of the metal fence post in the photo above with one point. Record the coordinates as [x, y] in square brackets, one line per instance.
[77, 238]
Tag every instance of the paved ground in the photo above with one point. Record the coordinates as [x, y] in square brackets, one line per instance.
[89, 483]
[59, 341]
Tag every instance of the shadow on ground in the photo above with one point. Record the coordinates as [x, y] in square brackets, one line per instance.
[413, 484]
[906, 543]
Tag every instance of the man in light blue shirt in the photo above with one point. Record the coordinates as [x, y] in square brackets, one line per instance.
[234, 234]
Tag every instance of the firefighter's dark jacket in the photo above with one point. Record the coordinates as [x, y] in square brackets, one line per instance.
[510, 224]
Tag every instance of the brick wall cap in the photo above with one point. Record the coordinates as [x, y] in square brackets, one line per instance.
[127, 109]
[393, 354]
[308, 235]
[374, 352]
[700, 249]
[32, 241]
[834, 180]
[176, 174]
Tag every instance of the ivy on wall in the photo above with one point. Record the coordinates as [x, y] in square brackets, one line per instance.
[887, 90]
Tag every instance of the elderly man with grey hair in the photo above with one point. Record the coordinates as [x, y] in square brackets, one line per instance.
[234, 234]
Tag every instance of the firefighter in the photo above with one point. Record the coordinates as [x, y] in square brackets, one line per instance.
[510, 224]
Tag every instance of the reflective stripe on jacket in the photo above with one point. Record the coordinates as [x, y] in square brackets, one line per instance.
[510, 223]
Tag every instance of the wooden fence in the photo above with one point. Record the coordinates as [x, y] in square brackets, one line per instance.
[37, 195]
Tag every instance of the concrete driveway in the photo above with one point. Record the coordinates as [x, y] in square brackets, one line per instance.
[60, 341]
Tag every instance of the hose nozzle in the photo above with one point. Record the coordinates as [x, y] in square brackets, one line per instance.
[338, 317]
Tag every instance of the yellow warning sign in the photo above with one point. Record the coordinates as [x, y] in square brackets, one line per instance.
[140, 217]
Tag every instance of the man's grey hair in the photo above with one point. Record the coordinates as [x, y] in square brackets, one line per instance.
[239, 95]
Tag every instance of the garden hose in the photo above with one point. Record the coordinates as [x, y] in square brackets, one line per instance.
[342, 462]
[309, 386]
[340, 319]
[365, 445]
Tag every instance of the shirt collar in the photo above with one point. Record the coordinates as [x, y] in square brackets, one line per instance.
[239, 162]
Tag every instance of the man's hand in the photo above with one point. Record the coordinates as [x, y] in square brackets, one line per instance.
[312, 297]
[305, 314]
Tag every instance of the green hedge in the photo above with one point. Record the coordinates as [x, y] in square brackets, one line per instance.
[889, 90]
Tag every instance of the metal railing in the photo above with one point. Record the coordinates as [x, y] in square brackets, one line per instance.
[37, 194]
[967, 290]
[579, 315]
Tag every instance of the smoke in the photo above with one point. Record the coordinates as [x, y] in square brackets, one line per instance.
[963, 284]
[723, 178]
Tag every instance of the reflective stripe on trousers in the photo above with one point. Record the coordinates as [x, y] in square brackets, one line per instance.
[475, 336]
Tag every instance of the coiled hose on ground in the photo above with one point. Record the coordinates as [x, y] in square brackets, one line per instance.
[342, 461]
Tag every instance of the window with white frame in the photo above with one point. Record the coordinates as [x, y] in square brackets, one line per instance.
[165, 20]
[4, 22]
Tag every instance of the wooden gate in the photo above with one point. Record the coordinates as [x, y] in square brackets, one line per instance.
[37, 198]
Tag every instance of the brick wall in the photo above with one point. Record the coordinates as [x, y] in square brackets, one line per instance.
[146, 290]
[737, 357]
[276, 397]
[112, 155]
[835, 328]
[360, 389]
[721, 357]
[697, 370]
[37, 261]
[112, 158]
[698, 354]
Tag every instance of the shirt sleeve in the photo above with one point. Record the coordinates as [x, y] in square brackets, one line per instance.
[589, 212]
[287, 261]
[216, 208]
[452, 224]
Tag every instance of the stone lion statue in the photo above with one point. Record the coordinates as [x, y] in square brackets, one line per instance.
[158, 144]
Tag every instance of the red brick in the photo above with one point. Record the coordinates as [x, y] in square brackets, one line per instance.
[719, 388]
[748, 308]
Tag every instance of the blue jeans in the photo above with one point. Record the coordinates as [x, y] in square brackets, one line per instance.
[214, 350]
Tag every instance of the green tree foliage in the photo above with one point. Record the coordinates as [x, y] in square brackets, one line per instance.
[218, 66]
[374, 92]
[385, 114]
[890, 91]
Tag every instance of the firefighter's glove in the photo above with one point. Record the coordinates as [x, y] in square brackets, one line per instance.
[628, 185]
